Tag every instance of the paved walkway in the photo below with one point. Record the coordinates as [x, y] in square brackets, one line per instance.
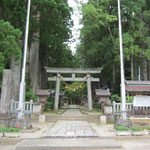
[70, 129]
[72, 112]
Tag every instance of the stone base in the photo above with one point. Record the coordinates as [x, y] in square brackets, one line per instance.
[22, 123]
[127, 123]
[110, 118]
[42, 118]
[5, 119]
[103, 120]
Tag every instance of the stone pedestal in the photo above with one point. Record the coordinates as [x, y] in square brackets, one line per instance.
[6, 119]
[127, 123]
[108, 109]
[37, 108]
[22, 123]
[103, 119]
[41, 118]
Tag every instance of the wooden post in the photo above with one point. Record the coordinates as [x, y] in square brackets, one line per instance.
[57, 92]
[6, 91]
[89, 92]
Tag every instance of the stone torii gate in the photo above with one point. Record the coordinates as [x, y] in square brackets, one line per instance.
[59, 77]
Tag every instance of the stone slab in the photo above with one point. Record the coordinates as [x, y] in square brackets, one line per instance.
[103, 120]
[65, 144]
[71, 129]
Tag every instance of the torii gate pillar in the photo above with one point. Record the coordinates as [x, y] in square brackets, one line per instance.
[89, 92]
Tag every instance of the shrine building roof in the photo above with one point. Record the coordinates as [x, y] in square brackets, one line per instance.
[101, 92]
[42, 92]
[137, 87]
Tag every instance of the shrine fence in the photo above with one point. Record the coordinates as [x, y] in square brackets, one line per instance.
[27, 107]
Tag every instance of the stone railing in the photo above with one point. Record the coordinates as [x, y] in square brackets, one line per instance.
[117, 106]
[27, 107]
[132, 110]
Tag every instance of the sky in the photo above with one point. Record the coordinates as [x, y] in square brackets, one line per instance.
[77, 26]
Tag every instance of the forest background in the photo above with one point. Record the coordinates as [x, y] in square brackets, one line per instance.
[49, 34]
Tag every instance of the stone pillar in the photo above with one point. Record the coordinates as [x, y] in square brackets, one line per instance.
[6, 91]
[57, 92]
[89, 92]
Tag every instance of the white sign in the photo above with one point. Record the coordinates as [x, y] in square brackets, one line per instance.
[141, 101]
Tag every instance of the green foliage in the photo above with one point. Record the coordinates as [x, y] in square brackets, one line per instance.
[9, 41]
[97, 105]
[75, 95]
[148, 128]
[116, 98]
[28, 94]
[50, 104]
[51, 19]
[55, 33]
[9, 44]
[136, 128]
[99, 46]
[129, 99]
[7, 129]
[122, 128]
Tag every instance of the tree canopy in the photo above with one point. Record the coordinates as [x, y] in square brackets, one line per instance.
[100, 38]
[9, 43]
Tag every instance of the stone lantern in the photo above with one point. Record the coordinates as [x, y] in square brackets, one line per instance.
[42, 96]
[103, 97]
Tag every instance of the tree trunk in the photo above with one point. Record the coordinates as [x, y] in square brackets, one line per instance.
[34, 63]
[43, 73]
[144, 69]
[132, 67]
[135, 70]
[148, 70]
[15, 66]
[114, 74]
[34, 60]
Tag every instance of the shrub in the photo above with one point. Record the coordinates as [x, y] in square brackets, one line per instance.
[7, 129]
[129, 99]
[137, 128]
[116, 98]
[122, 128]
[30, 96]
[148, 128]
[97, 105]
[50, 104]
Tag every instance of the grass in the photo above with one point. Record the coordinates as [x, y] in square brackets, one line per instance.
[87, 112]
[57, 112]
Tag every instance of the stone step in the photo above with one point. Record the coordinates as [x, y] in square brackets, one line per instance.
[55, 118]
[94, 119]
[66, 144]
